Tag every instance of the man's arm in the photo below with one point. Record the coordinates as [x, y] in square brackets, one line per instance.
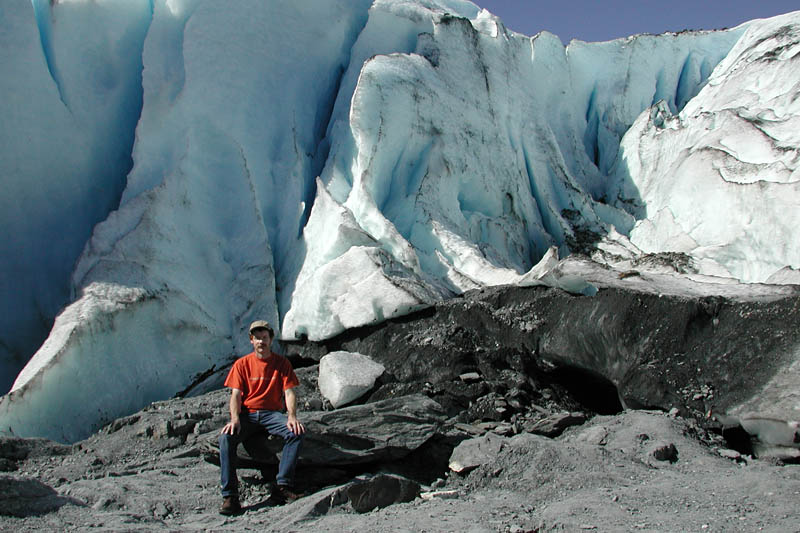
[232, 427]
[292, 423]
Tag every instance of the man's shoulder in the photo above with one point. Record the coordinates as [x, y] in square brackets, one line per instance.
[243, 361]
[238, 373]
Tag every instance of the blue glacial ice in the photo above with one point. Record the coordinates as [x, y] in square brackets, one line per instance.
[192, 166]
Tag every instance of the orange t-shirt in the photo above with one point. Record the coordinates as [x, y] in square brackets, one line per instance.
[262, 381]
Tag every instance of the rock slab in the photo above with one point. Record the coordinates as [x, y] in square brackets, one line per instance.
[381, 431]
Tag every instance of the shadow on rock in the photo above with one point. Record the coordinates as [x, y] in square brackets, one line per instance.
[23, 497]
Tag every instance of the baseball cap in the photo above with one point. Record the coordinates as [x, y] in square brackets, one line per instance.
[261, 324]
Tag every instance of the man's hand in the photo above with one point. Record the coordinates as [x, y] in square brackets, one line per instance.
[295, 426]
[232, 428]
[292, 423]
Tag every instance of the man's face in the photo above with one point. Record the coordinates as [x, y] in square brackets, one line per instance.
[261, 340]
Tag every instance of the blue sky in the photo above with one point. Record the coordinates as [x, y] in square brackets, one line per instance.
[602, 20]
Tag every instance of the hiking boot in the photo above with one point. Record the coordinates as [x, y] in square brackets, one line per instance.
[284, 494]
[230, 505]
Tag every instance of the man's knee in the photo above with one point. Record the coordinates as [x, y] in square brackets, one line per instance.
[295, 437]
[227, 441]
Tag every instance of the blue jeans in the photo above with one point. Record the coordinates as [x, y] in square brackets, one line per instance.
[275, 423]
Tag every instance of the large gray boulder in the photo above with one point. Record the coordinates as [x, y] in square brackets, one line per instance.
[382, 431]
[346, 376]
[379, 431]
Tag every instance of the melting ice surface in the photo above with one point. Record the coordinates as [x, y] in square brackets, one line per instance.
[174, 169]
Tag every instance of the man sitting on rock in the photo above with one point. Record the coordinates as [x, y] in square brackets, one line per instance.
[260, 382]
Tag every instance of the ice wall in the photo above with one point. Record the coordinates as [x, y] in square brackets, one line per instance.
[236, 101]
[71, 96]
[720, 180]
[325, 165]
[468, 158]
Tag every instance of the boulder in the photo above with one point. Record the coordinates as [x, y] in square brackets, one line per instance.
[346, 376]
[381, 491]
[555, 424]
[382, 431]
[363, 494]
[664, 452]
[378, 431]
[473, 453]
[311, 506]
[760, 436]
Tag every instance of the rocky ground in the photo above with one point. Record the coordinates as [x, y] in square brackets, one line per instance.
[510, 409]
[635, 471]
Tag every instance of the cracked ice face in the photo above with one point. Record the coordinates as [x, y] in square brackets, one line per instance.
[451, 154]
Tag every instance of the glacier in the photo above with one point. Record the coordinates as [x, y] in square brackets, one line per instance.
[722, 175]
[71, 97]
[331, 164]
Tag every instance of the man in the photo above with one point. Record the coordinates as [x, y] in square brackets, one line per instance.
[261, 384]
